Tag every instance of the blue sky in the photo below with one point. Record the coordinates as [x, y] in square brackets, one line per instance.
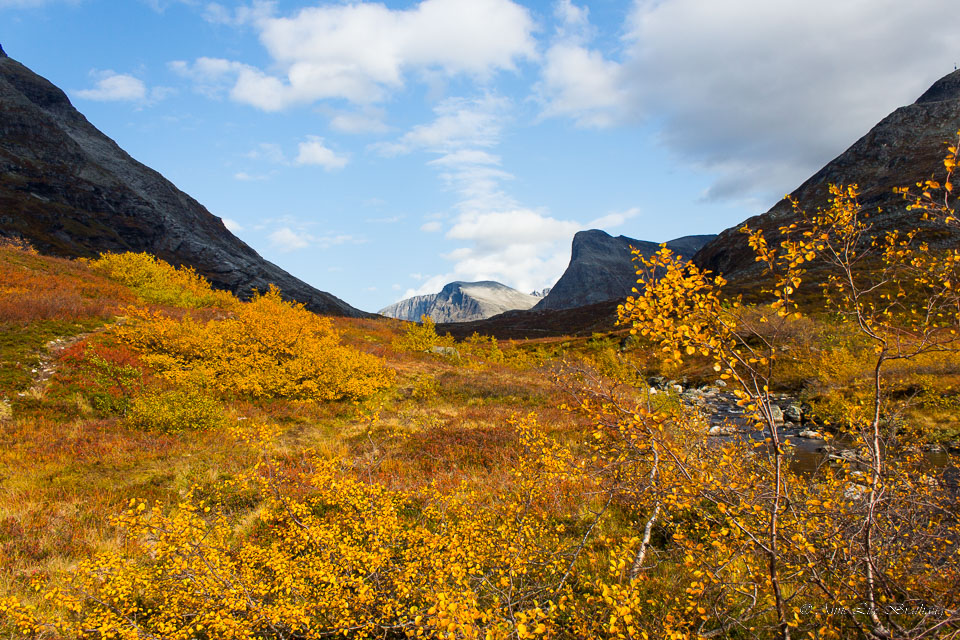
[378, 150]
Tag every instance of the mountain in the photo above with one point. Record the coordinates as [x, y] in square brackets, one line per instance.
[601, 268]
[70, 191]
[461, 302]
[905, 147]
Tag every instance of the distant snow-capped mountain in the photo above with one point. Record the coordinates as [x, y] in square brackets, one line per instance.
[461, 302]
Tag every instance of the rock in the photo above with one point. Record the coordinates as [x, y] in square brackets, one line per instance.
[6, 411]
[793, 413]
[461, 302]
[720, 383]
[722, 430]
[810, 434]
[445, 351]
[776, 413]
[601, 268]
[844, 455]
[855, 491]
[677, 388]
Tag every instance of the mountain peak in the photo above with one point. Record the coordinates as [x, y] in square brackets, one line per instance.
[903, 148]
[462, 301]
[946, 88]
[601, 268]
[3, 54]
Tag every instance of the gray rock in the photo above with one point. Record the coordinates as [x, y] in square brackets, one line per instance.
[793, 413]
[811, 434]
[855, 491]
[445, 351]
[776, 413]
[601, 268]
[461, 302]
[722, 430]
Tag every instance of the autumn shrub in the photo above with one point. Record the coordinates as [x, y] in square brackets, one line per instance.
[324, 553]
[38, 288]
[268, 348]
[159, 282]
[106, 376]
[421, 336]
[173, 411]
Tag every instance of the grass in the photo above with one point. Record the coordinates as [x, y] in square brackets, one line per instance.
[67, 467]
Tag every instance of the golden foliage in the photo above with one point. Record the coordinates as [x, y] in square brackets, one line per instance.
[421, 336]
[174, 411]
[159, 282]
[268, 348]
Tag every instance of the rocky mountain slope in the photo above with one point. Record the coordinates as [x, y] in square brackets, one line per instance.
[71, 191]
[905, 147]
[601, 268]
[462, 302]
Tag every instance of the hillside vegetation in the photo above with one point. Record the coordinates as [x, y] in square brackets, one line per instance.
[180, 464]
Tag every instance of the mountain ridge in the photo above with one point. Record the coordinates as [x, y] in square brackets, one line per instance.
[905, 147]
[461, 301]
[71, 191]
[601, 268]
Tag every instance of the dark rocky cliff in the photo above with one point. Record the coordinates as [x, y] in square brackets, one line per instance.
[905, 147]
[71, 191]
[601, 268]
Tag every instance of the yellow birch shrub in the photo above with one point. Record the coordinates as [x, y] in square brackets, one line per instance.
[327, 554]
[267, 348]
[159, 282]
[421, 336]
[173, 411]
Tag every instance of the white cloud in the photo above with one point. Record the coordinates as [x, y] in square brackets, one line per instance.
[760, 93]
[369, 120]
[216, 13]
[460, 123]
[501, 239]
[112, 86]
[614, 219]
[293, 237]
[314, 152]
[466, 156]
[243, 176]
[518, 226]
[360, 51]
[269, 151]
[232, 225]
[579, 83]
[286, 240]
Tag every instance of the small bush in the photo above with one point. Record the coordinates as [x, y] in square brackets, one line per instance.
[421, 336]
[160, 282]
[269, 348]
[175, 411]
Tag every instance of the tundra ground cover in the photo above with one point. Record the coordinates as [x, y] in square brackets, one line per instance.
[317, 477]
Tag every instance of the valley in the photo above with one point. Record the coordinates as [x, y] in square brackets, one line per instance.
[748, 435]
